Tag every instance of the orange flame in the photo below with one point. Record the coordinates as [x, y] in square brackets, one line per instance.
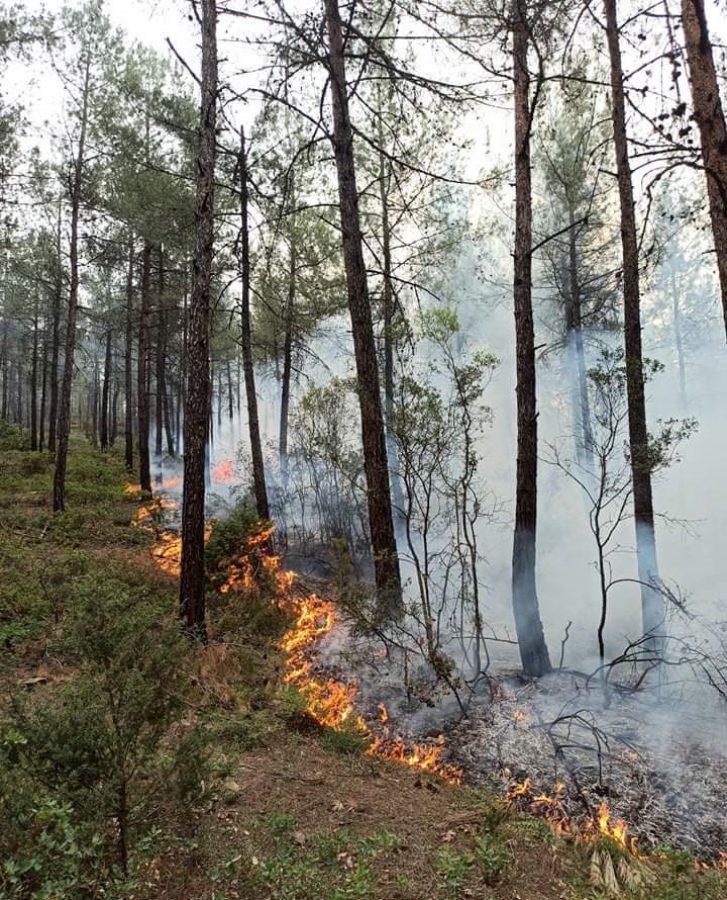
[329, 701]
[224, 471]
[332, 703]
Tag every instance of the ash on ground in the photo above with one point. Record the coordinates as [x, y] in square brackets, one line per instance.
[656, 756]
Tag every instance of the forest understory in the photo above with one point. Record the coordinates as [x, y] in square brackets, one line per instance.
[274, 805]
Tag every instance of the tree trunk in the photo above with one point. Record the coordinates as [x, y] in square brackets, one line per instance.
[34, 383]
[196, 412]
[142, 378]
[533, 649]
[575, 353]
[381, 524]
[128, 364]
[64, 414]
[710, 118]
[94, 404]
[43, 391]
[258, 466]
[114, 427]
[388, 316]
[105, 393]
[651, 602]
[55, 346]
[160, 352]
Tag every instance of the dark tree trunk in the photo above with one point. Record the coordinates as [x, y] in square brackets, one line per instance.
[43, 391]
[128, 364]
[34, 383]
[652, 607]
[381, 523]
[114, 427]
[710, 118]
[5, 367]
[160, 352]
[105, 393]
[55, 346]
[64, 412]
[258, 466]
[142, 378]
[94, 404]
[196, 412]
[533, 649]
[287, 374]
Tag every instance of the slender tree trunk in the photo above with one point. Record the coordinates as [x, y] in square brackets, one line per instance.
[34, 382]
[230, 394]
[651, 601]
[114, 427]
[258, 465]
[287, 363]
[128, 364]
[381, 523]
[64, 413]
[43, 391]
[4, 410]
[142, 378]
[105, 391]
[710, 118]
[576, 353]
[160, 352]
[196, 412]
[55, 346]
[94, 403]
[388, 316]
[533, 649]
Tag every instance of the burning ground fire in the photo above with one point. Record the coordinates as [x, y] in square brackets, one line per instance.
[331, 701]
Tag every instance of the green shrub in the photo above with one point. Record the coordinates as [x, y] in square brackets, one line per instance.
[110, 745]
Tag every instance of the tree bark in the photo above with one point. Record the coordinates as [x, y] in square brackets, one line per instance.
[43, 391]
[55, 346]
[34, 382]
[258, 465]
[196, 413]
[160, 352]
[287, 360]
[381, 524]
[105, 393]
[652, 607]
[531, 640]
[64, 414]
[142, 378]
[710, 119]
[128, 364]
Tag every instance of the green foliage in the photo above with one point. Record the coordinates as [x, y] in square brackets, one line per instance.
[229, 538]
[13, 437]
[453, 866]
[109, 745]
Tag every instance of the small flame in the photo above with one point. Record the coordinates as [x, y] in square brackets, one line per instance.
[224, 471]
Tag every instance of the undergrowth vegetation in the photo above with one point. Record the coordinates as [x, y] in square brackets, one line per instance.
[134, 764]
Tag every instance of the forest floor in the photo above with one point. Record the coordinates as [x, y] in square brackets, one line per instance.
[290, 811]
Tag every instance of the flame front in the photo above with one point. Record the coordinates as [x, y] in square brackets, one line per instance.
[329, 701]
